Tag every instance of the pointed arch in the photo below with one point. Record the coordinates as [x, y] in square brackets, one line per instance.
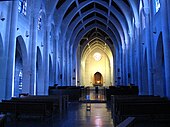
[159, 88]
[144, 87]
[98, 79]
[20, 66]
[51, 72]
[39, 73]
[21, 42]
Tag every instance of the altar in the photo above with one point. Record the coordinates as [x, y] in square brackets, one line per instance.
[97, 84]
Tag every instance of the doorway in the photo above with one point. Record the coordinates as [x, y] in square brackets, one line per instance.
[98, 79]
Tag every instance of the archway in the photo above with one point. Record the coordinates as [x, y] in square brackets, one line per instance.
[51, 73]
[98, 79]
[18, 77]
[39, 74]
[21, 80]
[97, 57]
[159, 88]
[144, 89]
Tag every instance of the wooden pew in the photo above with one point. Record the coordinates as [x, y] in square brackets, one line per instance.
[74, 93]
[2, 120]
[57, 102]
[119, 99]
[128, 122]
[26, 108]
[144, 108]
[121, 90]
[134, 106]
[34, 105]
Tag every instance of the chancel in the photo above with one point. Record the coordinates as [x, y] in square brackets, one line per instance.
[78, 63]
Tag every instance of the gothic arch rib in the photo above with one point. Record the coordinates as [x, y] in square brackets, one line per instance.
[113, 21]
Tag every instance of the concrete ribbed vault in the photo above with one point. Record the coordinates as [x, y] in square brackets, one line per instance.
[78, 21]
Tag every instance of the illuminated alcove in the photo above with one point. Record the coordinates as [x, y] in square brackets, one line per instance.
[97, 64]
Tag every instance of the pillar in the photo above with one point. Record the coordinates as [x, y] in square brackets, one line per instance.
[68, 65]
[11, 50]
[166, 44]
[138, 50]
[63, 61]
[131, 59]
[33, 47]
[56, 60]
[149, 50]
[46, 55]
[123, 66]
[126, 62]
[78, 64]
[168, 4]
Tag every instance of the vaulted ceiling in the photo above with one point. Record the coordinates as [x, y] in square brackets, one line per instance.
[82, 20]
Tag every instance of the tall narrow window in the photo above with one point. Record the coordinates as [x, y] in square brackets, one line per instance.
[22, 6]
[157, 5]
[40, 19]
[39, 22]
[20, 81]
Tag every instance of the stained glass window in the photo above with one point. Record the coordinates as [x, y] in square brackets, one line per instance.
[39, 22]
[22, 6]
[20, 81]
[97, 56]
[157, 5]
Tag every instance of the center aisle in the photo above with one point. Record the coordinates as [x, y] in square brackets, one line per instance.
[77, 116]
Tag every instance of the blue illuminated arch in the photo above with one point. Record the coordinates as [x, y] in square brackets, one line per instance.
[113, 21]
[120, 18]
[75, 38]
[20, 65]
[39, 72]
[81, 34]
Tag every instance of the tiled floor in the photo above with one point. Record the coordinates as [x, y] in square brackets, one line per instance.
[76, 116]
[99, 116]
[93, 96]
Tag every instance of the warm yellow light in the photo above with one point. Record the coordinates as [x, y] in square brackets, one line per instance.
[98, 82]
[97, 56]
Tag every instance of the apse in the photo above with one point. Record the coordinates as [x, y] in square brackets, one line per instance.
[97, 64]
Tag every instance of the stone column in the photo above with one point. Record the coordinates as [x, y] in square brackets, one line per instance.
[168, 4]
[131, 59]
[116, 67]
[166, 43]
[74, 67]
[139, 59]
[56, 71]
[61, 59]
[46, 55]
[123, 66]
[71, 65]
[11, 50]
[68, 65]
[3, 56]
[33, 41]
[126, 63]
[78, 64]
[149, 50]
[54, 58]
[63, 67]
